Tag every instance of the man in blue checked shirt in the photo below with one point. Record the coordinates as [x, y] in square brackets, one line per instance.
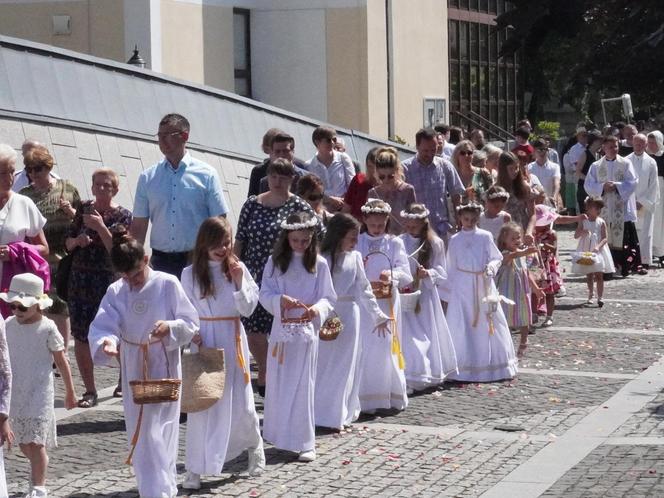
[176, 195]
[434, 179]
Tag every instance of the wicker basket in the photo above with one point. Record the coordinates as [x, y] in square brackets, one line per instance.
[409, 300]
[146, 392]
[381, 289]
[331, 328]
[149, 391]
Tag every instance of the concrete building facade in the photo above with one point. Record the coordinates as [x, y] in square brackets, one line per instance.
[378, 66]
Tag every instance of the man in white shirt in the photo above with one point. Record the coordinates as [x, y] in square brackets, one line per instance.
[546, 171]
[627, 144]
[576, 152]
[334, 168]
[647, 196]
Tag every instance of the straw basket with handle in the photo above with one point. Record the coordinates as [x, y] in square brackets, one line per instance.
[381, 289]
[331, 328]
[203, 379]
[151, 391]
[298, 328]
[148, 391]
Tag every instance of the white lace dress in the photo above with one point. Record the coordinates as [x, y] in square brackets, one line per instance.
[5, 395]
[31, 346]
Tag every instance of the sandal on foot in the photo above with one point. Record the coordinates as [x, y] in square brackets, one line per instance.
[548, 322]
[117, 392]
[88, 400]
[522, 349]
[600, 303]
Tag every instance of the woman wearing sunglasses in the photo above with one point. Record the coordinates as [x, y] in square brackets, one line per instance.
[392, 188]
[57, 201]
[477, 180]
[311, 189]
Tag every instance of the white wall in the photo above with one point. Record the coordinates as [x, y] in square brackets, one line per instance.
[288, 60]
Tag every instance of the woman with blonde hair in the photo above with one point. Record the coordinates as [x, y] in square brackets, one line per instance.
[392, 188]
[477, 180]
[89, 240]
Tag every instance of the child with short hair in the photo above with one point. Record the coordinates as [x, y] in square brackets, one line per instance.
[337, 402]
[592, 235]
[144, 318]
[221, 289]
[495, 216]
[34, 343]
[381, 378]
[484, 348]
[427, 344]
[297, 289]
[515, 282]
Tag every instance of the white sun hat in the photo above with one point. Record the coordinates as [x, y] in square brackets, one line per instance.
[27, 289]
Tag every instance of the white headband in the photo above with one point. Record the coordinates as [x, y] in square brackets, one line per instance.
[311, 223]
[366, 209]
[471, 206]
[498, 195]
[415, 216]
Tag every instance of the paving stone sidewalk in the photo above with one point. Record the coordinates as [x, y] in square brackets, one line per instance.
[457, 440]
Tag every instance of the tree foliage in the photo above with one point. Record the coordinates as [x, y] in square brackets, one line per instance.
[578, 51]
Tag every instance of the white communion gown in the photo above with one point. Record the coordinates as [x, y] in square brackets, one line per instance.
[382, 384]
[586, 244]
[231, 425]
[289, 420]
[337, 389]
[5, 397]
[484, 348]
[126, 317]
[427, 344]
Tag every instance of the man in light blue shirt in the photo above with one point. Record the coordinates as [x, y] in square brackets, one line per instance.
[176, 195]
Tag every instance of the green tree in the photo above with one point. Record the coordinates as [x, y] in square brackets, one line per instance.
[578, 51]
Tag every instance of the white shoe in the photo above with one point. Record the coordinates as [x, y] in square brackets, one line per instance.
[256, 461]
[192, 481]
[37, 492]
[307, 456]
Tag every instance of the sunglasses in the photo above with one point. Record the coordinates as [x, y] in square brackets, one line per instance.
[167, 134]
[18, 307]
[465, 152]
[385, 177]
[314, 197]
[34, 169]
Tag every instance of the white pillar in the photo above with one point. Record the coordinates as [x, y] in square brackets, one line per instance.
[142, 20]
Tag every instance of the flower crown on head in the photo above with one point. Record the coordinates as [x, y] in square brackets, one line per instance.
[292, 227]
[471, 206]
[415, 216]
[498, 195]
[384, 209]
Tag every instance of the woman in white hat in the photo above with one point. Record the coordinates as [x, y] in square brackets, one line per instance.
[34, 343]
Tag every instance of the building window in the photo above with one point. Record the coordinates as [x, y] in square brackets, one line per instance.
[480, 82]
[242, 52]
[435, 111]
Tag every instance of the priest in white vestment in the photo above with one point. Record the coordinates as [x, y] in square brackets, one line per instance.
[613, 179]
[647, 196]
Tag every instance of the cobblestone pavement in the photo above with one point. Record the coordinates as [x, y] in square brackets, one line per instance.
[587, 395]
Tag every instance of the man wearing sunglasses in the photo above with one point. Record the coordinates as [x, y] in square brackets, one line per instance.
[176, 195]
[21, 178]
[434, 179]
